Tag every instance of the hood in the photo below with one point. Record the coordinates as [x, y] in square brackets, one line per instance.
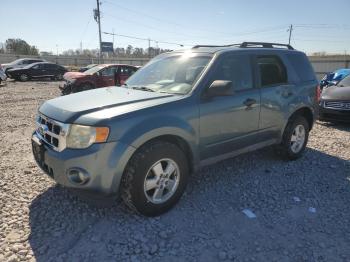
[111, 101]
[73, 75]
[17, 69]
[336, 93]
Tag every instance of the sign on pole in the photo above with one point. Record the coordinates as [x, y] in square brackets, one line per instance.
[106, 47]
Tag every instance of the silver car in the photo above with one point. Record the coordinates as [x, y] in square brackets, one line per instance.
[20, 63]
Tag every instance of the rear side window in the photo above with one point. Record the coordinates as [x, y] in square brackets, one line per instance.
[52, 66]
[127, 70]
[272, 71]
[235, 68]
[302, 66]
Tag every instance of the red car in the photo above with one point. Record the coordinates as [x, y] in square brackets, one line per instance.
[98, 76]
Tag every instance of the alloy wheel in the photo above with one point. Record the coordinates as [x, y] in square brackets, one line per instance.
[161, 181]
[298, 138]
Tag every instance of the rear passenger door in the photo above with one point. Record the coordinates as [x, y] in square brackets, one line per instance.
[37, 70]
[229, 123]
[277, 90]
[51, 69]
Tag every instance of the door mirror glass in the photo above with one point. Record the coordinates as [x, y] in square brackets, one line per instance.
[220, 88]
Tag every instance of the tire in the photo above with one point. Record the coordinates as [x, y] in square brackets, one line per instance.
[149, 164]
[24, 77]
[298, 130]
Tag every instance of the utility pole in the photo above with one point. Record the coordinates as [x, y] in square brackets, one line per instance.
[97, 16]
[149, 48]
[113, 36]
[290, 33]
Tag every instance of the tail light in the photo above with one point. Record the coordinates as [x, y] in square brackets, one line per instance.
[318, 94]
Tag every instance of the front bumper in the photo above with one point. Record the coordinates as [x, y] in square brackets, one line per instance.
[104, 163]
[327, 114]
[66, 88]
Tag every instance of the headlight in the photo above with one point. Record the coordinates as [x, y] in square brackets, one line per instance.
[71, 81]
[84, 136]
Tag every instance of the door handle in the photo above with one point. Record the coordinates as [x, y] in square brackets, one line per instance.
[249, 102]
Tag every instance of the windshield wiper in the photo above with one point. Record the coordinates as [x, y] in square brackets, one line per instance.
[143, 88]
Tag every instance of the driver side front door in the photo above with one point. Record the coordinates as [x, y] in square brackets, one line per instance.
[106, 77]
[229, 123]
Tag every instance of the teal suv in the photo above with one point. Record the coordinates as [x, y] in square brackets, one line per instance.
[183, 110]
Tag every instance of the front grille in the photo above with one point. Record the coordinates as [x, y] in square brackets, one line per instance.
[52, 132]
[338, 105]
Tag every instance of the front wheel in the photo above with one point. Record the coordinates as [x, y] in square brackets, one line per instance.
[295, 138]
[24, 77]
[155, 178]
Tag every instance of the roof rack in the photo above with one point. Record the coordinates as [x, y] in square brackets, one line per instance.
[198, 46]
[265, 45]
[250, 44]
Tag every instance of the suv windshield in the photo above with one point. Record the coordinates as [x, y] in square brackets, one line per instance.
[94, 69]
[170, 74]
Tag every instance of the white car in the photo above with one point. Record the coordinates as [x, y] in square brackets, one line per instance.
[20, 63]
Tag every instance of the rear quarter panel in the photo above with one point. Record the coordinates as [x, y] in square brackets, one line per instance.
[304, 94]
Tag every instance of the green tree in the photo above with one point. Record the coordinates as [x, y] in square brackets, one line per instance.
[20, 47]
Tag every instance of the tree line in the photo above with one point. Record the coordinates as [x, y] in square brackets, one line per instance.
[21, 47]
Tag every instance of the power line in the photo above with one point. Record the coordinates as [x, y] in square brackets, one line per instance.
[323, 26]
[122, 19]
[159, 19]
[146, 39]
[186, 26]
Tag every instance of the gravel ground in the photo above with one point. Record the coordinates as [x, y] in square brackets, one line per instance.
[302, 207]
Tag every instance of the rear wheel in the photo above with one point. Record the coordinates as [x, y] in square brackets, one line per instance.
[295, 138]
[24, 77]
[155, 178]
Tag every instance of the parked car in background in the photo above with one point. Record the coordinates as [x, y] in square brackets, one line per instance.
[2, 75]
[20, 63]
[334, 78]
[183, 110]
[84, 68]
[38, 70]
[335, 102]
[97, 76]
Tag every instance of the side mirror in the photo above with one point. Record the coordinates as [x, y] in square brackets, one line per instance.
[324, 83]
[220, 88]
